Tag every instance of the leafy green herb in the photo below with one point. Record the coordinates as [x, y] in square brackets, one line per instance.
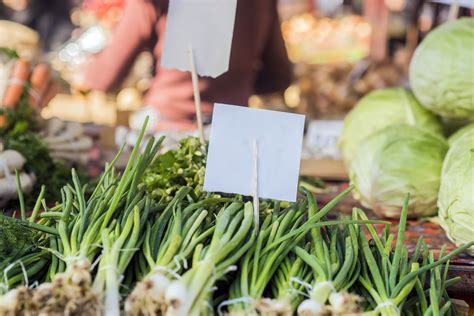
[184, 166]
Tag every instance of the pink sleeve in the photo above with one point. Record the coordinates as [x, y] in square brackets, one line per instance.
[133, 34]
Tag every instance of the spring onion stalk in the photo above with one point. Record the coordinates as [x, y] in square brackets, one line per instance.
[233, 235]
[388, 276]
[257, 267]
[332, 256]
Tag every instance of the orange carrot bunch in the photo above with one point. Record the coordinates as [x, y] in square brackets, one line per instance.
[20, 75]
[17, 76]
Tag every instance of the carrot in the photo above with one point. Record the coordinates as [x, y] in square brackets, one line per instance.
[19, 75]
[50, 93]
[39, 79]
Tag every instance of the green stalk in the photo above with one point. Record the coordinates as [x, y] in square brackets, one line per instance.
[21, 197]
[36, 208]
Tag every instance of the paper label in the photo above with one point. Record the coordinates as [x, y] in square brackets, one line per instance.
[230, 161]
[462, 3]
[206, 27]
[322, 137]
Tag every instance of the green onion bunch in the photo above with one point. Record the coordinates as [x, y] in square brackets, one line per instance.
[257, 267]
[331, 254]
[391, 281]
[85, 230]
[169, 243]
[234, 233]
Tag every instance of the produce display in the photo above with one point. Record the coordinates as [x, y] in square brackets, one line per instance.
[396, 160]
[43, 144]
[386, 160]
[456, 198]
[379, 109]
[320, 40]
[119, 250]
[329, 91]
[334, 89]
[441, 70]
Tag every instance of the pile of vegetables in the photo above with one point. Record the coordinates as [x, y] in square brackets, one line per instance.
[22, 129]
[119, 250]
[393, 142]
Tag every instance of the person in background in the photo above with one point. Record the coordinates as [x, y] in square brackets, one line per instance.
[50, 18]
[258, 62]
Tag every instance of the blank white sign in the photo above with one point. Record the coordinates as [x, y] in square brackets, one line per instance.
[206, 27]
[462, 3]
[230, 161]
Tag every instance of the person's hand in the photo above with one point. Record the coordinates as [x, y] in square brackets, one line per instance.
[78, 81]
[158, 123]
[184, 125]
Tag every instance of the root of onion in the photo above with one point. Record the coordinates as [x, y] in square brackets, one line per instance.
[148, 296]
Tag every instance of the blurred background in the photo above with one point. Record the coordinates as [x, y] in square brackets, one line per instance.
[340, 50]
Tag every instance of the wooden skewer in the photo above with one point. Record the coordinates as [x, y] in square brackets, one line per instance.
[256, 201]
[197, 96]
[453, 10]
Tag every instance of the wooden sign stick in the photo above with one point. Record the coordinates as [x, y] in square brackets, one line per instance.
[197, 96]
[256, 201]
[453, 10]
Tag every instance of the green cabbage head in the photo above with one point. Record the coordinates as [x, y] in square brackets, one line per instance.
[397, 160]
[456, 194]
[442, 70]
[379, 109]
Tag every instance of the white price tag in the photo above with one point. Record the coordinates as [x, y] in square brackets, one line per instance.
[462, 3]
[203, 26]
[231, 165]
[322, 137]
